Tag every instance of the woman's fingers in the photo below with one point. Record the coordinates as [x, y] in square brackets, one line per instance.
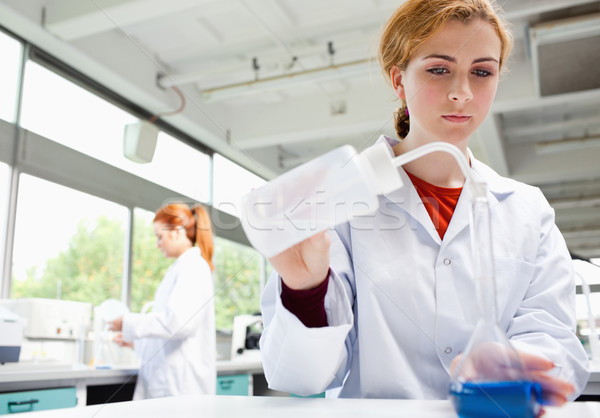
[553, 399]
[533, 362]
[555, 391]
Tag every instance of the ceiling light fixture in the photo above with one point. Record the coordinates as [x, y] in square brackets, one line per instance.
[314, 75]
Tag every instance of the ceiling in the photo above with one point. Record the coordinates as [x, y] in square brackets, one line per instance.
[273, 83]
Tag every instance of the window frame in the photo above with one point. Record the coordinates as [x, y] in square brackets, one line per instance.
[30, 153]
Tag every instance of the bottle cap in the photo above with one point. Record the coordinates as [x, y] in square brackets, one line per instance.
[379, 168]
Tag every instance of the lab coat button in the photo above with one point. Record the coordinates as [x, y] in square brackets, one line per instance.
[447, 261]
[448, 350]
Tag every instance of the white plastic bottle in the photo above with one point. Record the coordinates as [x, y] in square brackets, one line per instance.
[317, 196]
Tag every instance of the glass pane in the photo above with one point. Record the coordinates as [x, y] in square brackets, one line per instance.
[237, 287]
[68, 244]
[231, 182]
[4, 190]
[10, 50]
[149, 265]
[72, 116]
[268, 271]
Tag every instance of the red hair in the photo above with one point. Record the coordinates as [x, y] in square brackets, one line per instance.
[196, 223]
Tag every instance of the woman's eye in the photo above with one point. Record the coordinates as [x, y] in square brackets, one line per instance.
[482, 73]
[437, 71]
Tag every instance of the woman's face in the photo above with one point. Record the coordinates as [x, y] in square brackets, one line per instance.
[168, 240]
[450, 82]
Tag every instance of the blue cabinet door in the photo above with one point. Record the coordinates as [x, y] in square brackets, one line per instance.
[235, 384]
[37, 400]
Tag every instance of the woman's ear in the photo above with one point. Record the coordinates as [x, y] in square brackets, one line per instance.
[175, 233]
[396, 77]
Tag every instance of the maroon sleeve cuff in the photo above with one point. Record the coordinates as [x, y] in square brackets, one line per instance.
[307, 305]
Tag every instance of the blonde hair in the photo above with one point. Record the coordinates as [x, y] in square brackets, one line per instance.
[417, 20]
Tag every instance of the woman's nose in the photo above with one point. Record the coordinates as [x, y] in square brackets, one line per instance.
[460, 90]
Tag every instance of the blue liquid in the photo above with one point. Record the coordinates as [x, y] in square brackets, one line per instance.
[514, 399]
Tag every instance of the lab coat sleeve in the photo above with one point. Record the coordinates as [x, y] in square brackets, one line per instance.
[303, 360]
[189, 296]
[545, 321]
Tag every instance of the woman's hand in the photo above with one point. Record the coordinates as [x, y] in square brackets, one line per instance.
[121, 342]
[116, 325]
[305, 265]
[555, 391]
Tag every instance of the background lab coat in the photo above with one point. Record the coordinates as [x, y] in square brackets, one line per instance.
[401, 303]
[177, 340]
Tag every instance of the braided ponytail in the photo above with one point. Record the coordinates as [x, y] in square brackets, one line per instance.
[402, 121]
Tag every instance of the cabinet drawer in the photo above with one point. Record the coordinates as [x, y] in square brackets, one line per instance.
[37, 400]
[235, 384]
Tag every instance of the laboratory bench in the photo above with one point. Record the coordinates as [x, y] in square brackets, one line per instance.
[276, 407]
[84, 387]
[67, 386]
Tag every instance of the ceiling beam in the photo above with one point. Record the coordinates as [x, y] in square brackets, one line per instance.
[73, 19]
[358, 32]
[514, 132]
[309, 135]
[524, 9]
[580, 98]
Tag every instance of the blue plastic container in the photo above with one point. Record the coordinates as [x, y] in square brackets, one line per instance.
[515, 399]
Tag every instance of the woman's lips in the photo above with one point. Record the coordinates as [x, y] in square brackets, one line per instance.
[457, 118]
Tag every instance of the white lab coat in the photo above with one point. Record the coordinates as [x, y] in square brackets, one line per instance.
[401, 303]
[176, 341]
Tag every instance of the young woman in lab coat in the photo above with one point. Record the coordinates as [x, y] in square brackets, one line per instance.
[176, 341]
[383, 306]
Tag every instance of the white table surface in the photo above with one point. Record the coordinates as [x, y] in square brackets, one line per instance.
[23, 372]
[276, 407]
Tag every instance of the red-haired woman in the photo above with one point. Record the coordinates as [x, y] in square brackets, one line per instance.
[383, 306]
[176, 340]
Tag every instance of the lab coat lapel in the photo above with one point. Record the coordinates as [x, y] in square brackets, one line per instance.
[461, 216]
[497, 188]
[410, 202]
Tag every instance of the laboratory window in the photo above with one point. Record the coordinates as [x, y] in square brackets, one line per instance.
[148, 265]
[4, 195]
[66, 113]
[68, 244]
[230, 183]
[9, 76]
[237, 282]
[268, 271]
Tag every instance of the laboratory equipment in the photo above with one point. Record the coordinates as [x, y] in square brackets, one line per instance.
[56, 330]
[107, 353]
[316, 196]
[245, 336]
[11, 336]
[489, 378]
[589, 273]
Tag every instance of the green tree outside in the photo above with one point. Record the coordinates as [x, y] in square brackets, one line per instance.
[90, 270]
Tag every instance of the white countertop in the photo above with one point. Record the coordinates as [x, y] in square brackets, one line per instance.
[27, 372]
[30, 372]
[276, 407]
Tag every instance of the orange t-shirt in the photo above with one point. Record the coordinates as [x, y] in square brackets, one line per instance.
[439, 202]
